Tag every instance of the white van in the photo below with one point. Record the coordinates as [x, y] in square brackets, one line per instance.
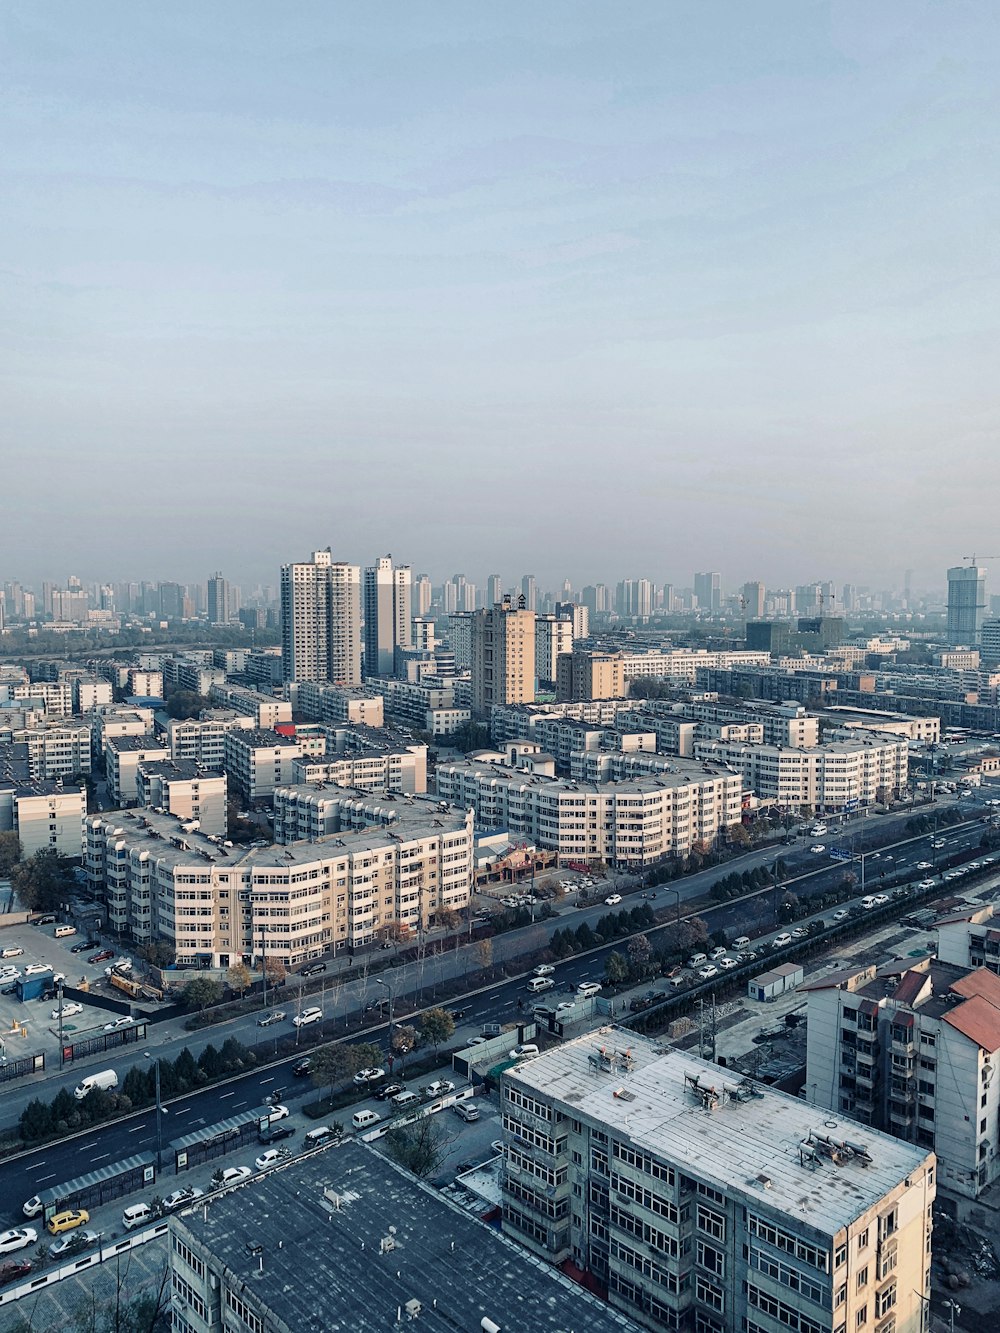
[60, 931]
[741, 942]
[363, 1119]
[403, 1100]
[136, 1216]
[696, 960]
[106, 1079]
[540, 983]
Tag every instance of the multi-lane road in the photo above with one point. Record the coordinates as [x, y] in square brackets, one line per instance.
[810, 874]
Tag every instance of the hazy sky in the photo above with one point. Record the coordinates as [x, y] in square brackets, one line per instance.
[592, 290]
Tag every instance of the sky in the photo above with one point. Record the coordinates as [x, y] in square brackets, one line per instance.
[595, 291]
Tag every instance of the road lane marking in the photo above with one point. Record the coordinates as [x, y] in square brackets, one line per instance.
[138, 1129]
[226, 1094]
[101, 1158]
[43, 1178]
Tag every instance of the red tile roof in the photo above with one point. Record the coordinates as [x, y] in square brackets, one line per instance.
[980, 981]
[978, 1020]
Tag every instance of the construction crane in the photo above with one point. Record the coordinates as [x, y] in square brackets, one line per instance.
[975, 559]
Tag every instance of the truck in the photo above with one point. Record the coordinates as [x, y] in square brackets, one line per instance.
[135, 989]
[106, 1079]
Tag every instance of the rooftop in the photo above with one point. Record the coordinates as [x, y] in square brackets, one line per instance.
[344, 1240]
[739, 1135]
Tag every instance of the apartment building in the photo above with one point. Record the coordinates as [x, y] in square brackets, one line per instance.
[145, 684]
[90, 692]
[55, 749]
[46, 816]
[118, 720]
[258, 761]
[347, 1240]
[370, 758]
[553, 637]
[704, 1201]
[202, 739]
[387, 614]
[333, 704]
[590, 675]
[436, 705]
[265, 709]
[628, 824]
[503, 657]
[55, 696]
[911, 1047]
[925, 730]
[214, 905]
[183, 788]
[191, 673]
[835, 776]
[968, 937]
[321, 620]
[518, 721]
[122, 756]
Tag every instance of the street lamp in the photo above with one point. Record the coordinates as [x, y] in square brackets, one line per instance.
[159, 1111]
[379, 982]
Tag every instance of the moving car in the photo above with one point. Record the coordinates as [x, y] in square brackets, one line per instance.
[17, 1239]
[67, 1221]
[543, 970]
[70, 1008]
[439, 1088]
[303, 1067]
[181, 1197]
[312, 1015]
[388, 1090]
[613, 899]
[275, 1016]
[925, 865]
[818, 847]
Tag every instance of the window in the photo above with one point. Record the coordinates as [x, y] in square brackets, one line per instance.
[711, 1223]
[708, 1293]
[861, 1318]
[885, 1300]
[863, 1240]
[862, 1278]
[710, 1259]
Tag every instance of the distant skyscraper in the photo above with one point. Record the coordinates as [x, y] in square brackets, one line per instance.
[966, 603]
[668, 598]
[529, 592]
[388, 615]
[218, 600]
[708, 590]
[494, 590]
[753, 601]
[321, 620]
[503, 657]
[423, 595]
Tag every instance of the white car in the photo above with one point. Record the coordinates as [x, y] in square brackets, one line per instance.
[278, 1112]
[926, 884]
[9, 974]
[439, 1087]
[925, 865]
[543, 970]
[818, 847]
[881, 899]
[612, 899]
[727, 963]
[33, 1207]
[17, 1239]
[12, 951]
[842, 915]
[232, 1175]
[33, 969]
[181, 1197]
[799, 933]
[563, 1005]
[781, 940]
[717, 953]
[275, 1016]
[70, 1008]
[368, 1076]
[709, 971]
[271, 1158]
[125, 1021]
[307, 1016]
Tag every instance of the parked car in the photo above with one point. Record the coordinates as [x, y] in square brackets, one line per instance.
[543, 970]
[11, 1272]
[644, 1001]
[271, 1158]
[523, 1049]
[818, 847]
[125, 1021]
[841, 915]
[36, 969]
[33, 1207]
[274, 1133]
[312, 1015]
[73, 1241]
[70, 1008]
[439, 1088]
[799, 933]
[588, 988]
[881, 899]
[709, 970]
[278, 1112]
[12, 951]
[388, 1090]
[726, 963]
[17, 1239]
[275, 1016]
[781, 940]
[232, 1175]
[718, 952]
[182, 1197]
[365, 1076]
[101, 957]
[67, 1221]
[613, 899]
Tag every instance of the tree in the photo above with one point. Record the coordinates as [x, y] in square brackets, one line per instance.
[330, 1065]
[738, 836]
[788, 906]
[436, 1025]
[615, 968]
[202, 992]
[691, 933]
[36, 1120]
[10, 853]
[484, 954]
[404, 1039]
[157, 952]
[418, 1147]
[640, 951]
[239, 978]
[185, 703]
[275, 971]
[42, 883]
[446, 918]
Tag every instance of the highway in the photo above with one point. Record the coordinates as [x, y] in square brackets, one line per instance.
[811, 874]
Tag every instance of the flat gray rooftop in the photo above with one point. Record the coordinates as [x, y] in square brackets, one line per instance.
[347, 1239]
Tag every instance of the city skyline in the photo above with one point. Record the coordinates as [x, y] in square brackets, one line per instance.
[723, 272]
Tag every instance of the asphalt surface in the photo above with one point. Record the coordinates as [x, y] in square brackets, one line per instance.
[810, 874]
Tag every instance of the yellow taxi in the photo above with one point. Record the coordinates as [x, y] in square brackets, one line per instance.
[74, 1217]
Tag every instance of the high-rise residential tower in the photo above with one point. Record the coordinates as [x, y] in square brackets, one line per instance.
[966, 603]
[503, 657]
[321, 620]
[494, 590]
[529, 592]
[708, 590]
[218, 600]
[388, 615]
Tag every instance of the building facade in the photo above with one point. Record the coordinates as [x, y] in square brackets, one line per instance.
[966, 603]
[321, 620]
[503, 657]
[388, 615]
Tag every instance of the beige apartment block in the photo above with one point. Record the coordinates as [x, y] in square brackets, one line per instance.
[46, 816]
[708, 1202]
[503, 657]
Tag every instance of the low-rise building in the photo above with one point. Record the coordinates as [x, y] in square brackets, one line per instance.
[122, 755]
[265, 710]
[202, 739]
[912, 1047]
[708, 1202]
[258, 761]
[339, 705]
[55, 749]
[436, 705]
[368, 757]
[46, 816]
